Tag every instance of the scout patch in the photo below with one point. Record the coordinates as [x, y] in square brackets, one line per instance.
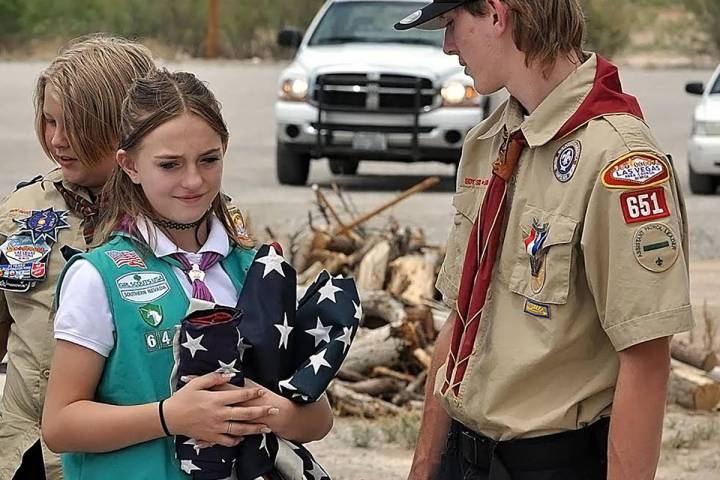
[152, 314]
[142, 287]
[536, 309]
[21, 249]
[476, 182]
[566, 160]
[534, 247]
[239, 223]
[644, 205]
[18, 286]
[655, 246]
[125, 257]
[43, 224]
[636, 169]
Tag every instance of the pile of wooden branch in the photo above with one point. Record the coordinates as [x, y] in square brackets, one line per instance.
[395, 271]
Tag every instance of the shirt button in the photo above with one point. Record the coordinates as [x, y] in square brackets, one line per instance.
[46, 373]
[457, 220]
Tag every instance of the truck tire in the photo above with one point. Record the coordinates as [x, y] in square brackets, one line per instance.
[340, 166]
[292, 168]
[702, 184]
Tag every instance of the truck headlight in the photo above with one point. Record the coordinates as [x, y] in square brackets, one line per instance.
[457, 94]
[706, 129]
[294, 89]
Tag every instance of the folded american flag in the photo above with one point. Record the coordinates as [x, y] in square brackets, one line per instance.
[292, 347]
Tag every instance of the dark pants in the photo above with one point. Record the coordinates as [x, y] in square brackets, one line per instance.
[578, 455]
[32, 466]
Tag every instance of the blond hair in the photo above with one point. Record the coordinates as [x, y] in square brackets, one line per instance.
[542, 29]
[151, 101]
[91, 76]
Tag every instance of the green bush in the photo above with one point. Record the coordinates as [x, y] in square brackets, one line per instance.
[708, 14]
[608, 25]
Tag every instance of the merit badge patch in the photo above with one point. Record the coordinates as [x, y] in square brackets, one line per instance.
[123, 258]
[566, 160]
[644, 205]
[536, 309]
[655, 246]
[635, 170]
[152, 314]
[142, 287]
[534, 241]
[43, 224]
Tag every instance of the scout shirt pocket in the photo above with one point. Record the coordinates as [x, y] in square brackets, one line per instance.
[543, 264]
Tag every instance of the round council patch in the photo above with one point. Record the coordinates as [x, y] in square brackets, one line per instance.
[655, 246]
[566, 160]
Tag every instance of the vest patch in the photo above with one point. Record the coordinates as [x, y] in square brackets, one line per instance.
[635, 170]
[142, 287]
[125, 257]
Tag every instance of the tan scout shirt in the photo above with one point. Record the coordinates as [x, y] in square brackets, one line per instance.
[545, 357]
[31, 344]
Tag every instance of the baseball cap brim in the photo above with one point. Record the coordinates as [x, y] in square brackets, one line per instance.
[428, 17]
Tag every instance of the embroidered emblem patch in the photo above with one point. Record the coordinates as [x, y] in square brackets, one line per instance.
[43, 224]
[122, 258]
[21, 249]
[476, 182]
[534, 241]
[142, 287]
[159, 339]
[635, 170]
[240, 229]
[566, 160]
[152, 314]
[655, 246]
[644, 205]
[536, 309]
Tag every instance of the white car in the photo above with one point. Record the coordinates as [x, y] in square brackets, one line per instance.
[359, 90]
[704, 144]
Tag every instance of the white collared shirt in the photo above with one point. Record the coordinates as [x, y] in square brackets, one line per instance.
[83, 315]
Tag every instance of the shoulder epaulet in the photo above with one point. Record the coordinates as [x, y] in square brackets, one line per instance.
[28, 182]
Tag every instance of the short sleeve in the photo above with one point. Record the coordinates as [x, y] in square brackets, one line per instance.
[634, 247]
[83, 315]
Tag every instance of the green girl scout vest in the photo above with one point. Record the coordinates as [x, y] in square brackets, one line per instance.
[146, 301]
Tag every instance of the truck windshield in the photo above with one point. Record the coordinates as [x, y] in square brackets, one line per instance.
[370, 22]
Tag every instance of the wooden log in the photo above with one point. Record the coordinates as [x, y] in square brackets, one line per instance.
[350, 375]
[378, 347]
[691, 388]
[695, 354]
[347, 401]
[380, 304]
[389, 372]
[423, 357]
[412, 278]
[377, 386]
[372, 269]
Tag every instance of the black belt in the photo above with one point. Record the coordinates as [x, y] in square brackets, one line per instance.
[547, 452]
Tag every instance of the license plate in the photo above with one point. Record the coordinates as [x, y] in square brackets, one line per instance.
[369, 141]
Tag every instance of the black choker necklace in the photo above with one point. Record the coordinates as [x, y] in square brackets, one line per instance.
[178, 226]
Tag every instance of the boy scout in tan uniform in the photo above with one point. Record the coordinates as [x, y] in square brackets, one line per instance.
[26, 309]
[77, 107]
[591, 260]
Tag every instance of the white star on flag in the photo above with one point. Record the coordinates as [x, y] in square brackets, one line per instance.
[328, 292]
[320, 332]
[358, 311]
[285, 330]
[193, 344]
[187, 466]
[194, 444]
[263, 444]
[272, 261]
[318, 360]
[317, 472]
[227, 367]
[285, 384]
[346, 338]
[241, 345]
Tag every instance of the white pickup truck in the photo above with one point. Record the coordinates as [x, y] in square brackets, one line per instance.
[359, 90]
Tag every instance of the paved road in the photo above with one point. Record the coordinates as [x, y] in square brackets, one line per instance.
[247, 92]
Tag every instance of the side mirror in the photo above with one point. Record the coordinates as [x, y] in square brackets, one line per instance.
[290, 37]
[695, 88]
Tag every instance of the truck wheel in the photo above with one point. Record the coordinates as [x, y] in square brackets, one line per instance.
[343, 166]
[702, 184]
[292, 168]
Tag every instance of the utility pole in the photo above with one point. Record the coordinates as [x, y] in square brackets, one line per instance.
[211, 43]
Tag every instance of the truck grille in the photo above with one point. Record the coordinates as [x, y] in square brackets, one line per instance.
[373, 92]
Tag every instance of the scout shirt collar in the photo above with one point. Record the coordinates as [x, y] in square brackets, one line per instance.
[56, 175]
[591, 91]
[162, 246]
